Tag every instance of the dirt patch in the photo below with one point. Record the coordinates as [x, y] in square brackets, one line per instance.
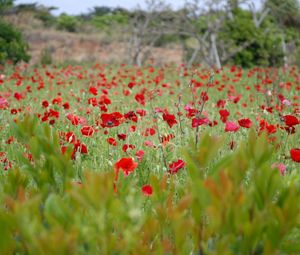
[65, 46]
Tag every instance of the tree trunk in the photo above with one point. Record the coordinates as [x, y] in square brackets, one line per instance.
[193, 57]
[284, 49]
[215, 51]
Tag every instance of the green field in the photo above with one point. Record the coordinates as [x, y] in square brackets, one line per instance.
[173, 160]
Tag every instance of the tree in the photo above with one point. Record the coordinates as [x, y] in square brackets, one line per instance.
[223, 32]
[203, 23]
[260, 45]
[286, 15]
[4, 4]
[67, 23]
[12, 45]
[146, 28]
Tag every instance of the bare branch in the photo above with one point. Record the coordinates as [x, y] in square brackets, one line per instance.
[258, 21]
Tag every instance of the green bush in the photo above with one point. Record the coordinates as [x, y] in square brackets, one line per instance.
[67, 23]
[108, 20]
[264, 43]
[5, 4]
[46, 17]
[12, 45]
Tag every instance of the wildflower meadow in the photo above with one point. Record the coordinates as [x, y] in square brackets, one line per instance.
[118, 159]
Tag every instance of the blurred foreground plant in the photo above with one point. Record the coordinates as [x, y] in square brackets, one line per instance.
[235, 205]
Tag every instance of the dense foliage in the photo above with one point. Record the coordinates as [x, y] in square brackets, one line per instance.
[12, 45]
[67, 22]
[264, 43]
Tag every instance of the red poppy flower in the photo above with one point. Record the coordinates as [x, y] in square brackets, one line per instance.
[112, 141]
[9, 140]
[45, 104]
[131, 116]
[271, 129]
[87, 131]
[141, 112]
[221, 103]
[93, 101]
[291, 120]
[198, 122]
[190, 112]
[57, 100]
[170, 119]
[140, 98]
[73, 119]
[103, 108]
[131, 84]
[147, 190]
[127, 165]
[231, 127]
[125, 147]
[18, 96]
[70, 137]
[122, 136]
[66, 106]
[6, 164]
[139, 155]
[63, 149]
[246, 123]
[204, 96]
[28, 156]
[176, 166]
[104, 100]
[132, 129]
[295, 154]
[111, 119]
[224, 115]
[93, 90]
[290, 130]
[13, 111]
[149, 132]
[53, 113]
[78, 147]
[213, 123]
[126, 92]
[81, 147]
[234, 99]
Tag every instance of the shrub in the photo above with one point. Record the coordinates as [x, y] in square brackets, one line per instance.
[264, 48]
[67, 23]
[108, 20]
[12, 45]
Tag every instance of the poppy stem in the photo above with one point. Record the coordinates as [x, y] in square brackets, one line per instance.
[199, 112]
[285, 143]
[179, 115]
[158, 134]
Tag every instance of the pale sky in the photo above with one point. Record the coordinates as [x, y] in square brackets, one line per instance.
[83, 6]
